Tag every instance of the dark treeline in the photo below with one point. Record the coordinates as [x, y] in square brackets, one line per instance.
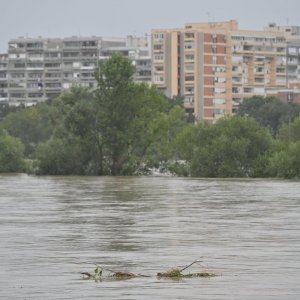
[127, 128]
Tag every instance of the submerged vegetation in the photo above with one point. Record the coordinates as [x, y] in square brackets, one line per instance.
[128, 128]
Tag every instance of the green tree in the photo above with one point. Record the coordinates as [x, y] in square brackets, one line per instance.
[69, 148]
[59, 157]
[125, 110]
[229, 148]
[290, 132]
[164, 129]
[269, 111]
[110, 130]
[31, 125]
[11, 154]
[285, 163]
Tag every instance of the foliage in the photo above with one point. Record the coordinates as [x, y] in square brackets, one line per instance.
[73, 147]
[164, 129]
[5, 109]
[31, 125]
[290, 132]
[59, 157]
[125, 128]
[125, 110]
[286, 162]
[11, 154]
[229, 148]
[269, 111]
[110, 130]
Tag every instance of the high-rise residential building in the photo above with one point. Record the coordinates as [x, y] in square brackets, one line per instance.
[292, 34]
[138, 50]
[39, 69]
[214, 66]
[3, 78]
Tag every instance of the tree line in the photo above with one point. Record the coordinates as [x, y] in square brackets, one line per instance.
[128, 128]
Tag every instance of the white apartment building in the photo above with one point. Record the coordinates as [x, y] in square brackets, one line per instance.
[38, 69]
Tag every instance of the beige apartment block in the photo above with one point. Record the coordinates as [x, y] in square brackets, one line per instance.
[214, 66]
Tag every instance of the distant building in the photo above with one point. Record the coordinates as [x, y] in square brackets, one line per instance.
[138, 50]
[289, 95]
[292, 34]
[214, 66]
[3, 78]
[39, 69]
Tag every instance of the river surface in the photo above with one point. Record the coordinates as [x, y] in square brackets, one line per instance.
[53, 228]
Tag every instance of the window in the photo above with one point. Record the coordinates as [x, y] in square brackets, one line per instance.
[189, 67]
[218, 111]
[35, 45]
[219, 69]
[218, 101]
[35, 65]
[220, 79]
[188, 57]
[189, 35]
[17, 75]
[189, 46]
[219, 90]
[158, 57]
[52, 65]
[19, 65]
[189, 90]
[35, 75]
[189, 99]
[158, 68]
[158, 36]
[158, 78]
[32, 85]
[189, 78]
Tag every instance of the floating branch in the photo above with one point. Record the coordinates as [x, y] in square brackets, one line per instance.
[176, 273]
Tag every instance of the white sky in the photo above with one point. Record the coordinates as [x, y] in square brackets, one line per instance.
[119, 18]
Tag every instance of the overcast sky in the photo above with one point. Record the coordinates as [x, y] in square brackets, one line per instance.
[118, 18]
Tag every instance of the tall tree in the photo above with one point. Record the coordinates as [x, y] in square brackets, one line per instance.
[125, 110]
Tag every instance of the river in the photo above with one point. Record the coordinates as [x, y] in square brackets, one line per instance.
[245, 231]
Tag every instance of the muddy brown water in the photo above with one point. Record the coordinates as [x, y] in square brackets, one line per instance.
[53, 228]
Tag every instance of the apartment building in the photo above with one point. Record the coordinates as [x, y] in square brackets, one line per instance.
[39, 69]
[138, 50]
[214, 66]
[3, 78]
[292, 34]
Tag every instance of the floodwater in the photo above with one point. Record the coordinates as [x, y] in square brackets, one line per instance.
[53, 228]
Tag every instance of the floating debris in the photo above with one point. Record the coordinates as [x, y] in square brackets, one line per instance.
[112, 275]
[174, 273]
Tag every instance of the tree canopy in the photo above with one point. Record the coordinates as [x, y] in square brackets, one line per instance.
[269, 111]
[127, 128]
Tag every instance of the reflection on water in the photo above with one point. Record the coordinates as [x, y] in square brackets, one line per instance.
[52, 228]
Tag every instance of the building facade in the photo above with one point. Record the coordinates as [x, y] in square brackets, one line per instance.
[3, 78]
[40, 69]
[214, 66]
